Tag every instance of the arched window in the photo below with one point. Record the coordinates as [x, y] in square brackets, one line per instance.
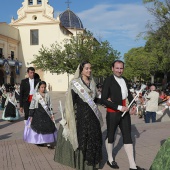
[39, 2]
[30, 2]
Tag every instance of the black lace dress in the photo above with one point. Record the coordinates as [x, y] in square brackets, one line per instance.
[88, 131]
[10, 110]
[41, 122]
[89, 152]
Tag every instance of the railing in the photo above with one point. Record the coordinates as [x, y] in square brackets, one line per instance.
[10, 62]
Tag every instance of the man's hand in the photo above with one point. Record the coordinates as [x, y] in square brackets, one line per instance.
[21, 109]
[109, 99]
[124, 108]
[133, 110]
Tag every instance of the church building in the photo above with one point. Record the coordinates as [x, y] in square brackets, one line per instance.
[21, 40]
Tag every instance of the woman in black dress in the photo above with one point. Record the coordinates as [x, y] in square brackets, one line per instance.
[10, 112]
[79, 142]
[40, 127]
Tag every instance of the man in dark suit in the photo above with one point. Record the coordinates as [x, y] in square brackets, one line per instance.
[115, 92]
[27, 90]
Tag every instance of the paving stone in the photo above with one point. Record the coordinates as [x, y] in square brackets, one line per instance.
[15, 154]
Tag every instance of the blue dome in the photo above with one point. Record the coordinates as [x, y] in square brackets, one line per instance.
[70, 20]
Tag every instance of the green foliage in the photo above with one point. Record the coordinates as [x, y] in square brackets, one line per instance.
[65, 59]
[137, 64]
[155, 56]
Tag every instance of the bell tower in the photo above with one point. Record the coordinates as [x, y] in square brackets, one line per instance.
[35, 2]
[34, 6]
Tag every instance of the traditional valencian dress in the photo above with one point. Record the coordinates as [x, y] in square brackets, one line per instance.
[10, 112]
[42, 129]
[79, 141]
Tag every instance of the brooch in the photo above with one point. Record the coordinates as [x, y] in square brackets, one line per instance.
[82, 90]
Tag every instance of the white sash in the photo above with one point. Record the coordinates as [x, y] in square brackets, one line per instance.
[11, 102]
[87, 98]
[44, 105]
[17, 92]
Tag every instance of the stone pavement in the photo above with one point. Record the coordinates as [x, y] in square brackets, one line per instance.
[18, 155]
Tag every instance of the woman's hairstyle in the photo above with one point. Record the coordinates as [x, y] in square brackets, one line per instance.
[40, 83]
[82, 65]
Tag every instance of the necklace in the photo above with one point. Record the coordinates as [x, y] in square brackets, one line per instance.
[42, 94]
[87, 81]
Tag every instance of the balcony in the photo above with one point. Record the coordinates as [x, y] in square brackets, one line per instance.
[10, 62]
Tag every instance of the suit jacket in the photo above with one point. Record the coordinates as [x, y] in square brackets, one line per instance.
[111, 89]
[25, 90]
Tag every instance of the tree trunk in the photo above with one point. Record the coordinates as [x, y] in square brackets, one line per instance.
[152, 79]
[165, 77]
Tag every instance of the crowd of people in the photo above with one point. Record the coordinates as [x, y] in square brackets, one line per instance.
[78, 140]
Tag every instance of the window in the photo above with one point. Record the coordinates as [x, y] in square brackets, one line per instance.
[12, 55]
[34, 38]
[30, 2]
[39, 2]
[1, 52]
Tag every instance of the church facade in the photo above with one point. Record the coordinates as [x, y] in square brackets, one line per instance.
[24, 36]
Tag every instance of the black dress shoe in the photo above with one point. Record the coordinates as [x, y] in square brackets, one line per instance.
[138, 168]
[113, 165]
[41, 145]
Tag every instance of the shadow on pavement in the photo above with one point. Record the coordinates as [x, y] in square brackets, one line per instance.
[116, 148]
[5, 136]
[10, 123]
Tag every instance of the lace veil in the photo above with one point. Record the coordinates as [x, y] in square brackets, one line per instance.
[69, 112]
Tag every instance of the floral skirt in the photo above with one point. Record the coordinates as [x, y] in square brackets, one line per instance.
[162, 159]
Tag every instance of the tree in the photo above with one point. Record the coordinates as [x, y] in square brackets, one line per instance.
[158, 47]
[65, 59]
[158, 44]
[137, 64]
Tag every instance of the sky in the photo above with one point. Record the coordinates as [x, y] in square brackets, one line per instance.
[117, 21]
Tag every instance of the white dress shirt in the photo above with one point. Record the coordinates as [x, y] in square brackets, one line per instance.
[124, 89]
[32, 91]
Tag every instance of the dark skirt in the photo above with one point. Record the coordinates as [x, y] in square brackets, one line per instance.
[10, 112]
[3, 102]
[89, 136]
[64, 154]
[41, 122]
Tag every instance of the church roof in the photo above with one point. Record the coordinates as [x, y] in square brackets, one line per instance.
[70, 20]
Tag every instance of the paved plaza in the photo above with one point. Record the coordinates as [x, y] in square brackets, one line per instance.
[15, 154]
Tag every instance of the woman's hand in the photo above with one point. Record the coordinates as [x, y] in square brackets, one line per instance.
[30, 119]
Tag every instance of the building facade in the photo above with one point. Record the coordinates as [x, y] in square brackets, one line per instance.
[34, 27]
